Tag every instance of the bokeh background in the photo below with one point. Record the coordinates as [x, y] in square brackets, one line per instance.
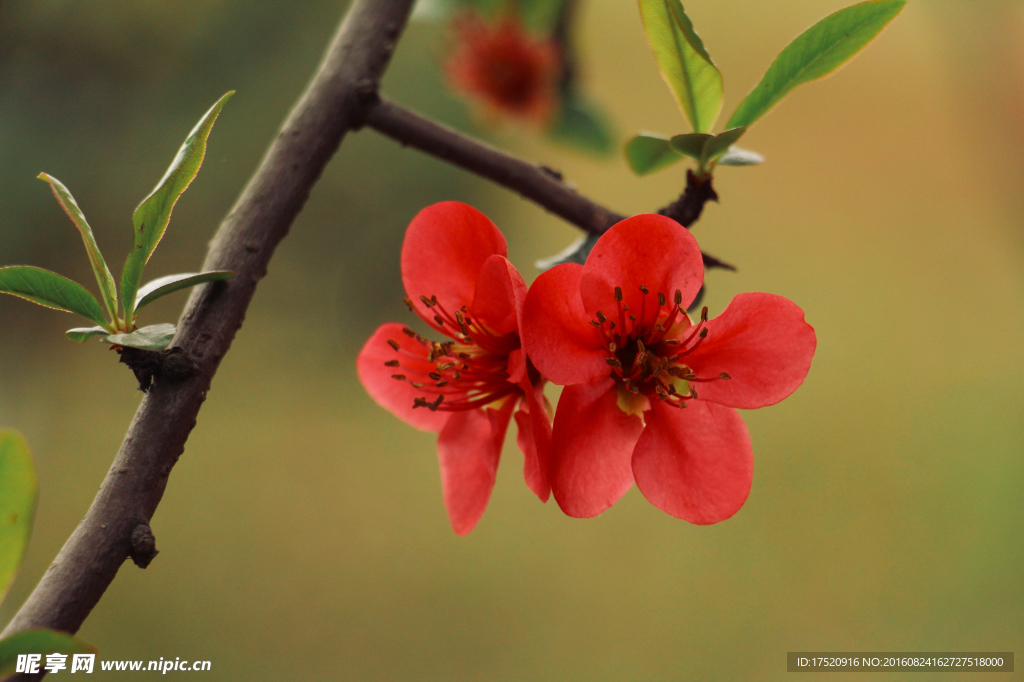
[303, 535]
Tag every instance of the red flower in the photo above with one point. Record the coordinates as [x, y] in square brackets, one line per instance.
[513, 74]
[649, 394]
[460, 282]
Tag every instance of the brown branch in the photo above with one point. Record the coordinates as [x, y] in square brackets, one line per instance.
[687, 208]
[536, 183]
[117, 524]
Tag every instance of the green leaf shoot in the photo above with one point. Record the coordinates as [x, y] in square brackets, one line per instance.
[684, 63]
[171, 283]
[38, 641]
[108, 290]
[817, 52]
[50, 290]
[691, 144]
[151, 217]
[83, 334]
[153, 337]
[705, 148]
[650, 152]
[19, 489]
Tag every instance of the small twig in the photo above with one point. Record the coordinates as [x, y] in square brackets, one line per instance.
[116, 525]
[539, 184]
[687, 208]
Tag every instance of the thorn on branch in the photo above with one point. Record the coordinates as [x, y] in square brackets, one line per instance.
[687, 208]
[143, 545]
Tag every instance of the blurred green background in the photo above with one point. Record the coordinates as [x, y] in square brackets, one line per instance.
[303, 533]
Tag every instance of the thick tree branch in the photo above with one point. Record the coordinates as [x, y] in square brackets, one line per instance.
[333, 103]
[538, 184]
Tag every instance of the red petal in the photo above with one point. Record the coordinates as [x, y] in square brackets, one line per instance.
[534, 440]
[469, 448]
[392, 394]
[557, 333]
[645, 250]
[445, 248]
[763, 343]
[591, 449]
[500, 293]
[694, 463]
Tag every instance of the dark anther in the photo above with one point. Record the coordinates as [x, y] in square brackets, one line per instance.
[400, 377]
[618, 293]
[408, 302]
[391, 363]
[595, 323]
[723, 375]
[426, 301]
[435, 376]
[601, 317]
[661, 298]
[439, 320]
[703, 332]
[704, 314]
[679, 297]
[143, 549]
[408, 332]
[644, 290]
[441, 384]
[394, 344]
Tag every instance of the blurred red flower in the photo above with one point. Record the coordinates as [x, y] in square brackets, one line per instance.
[510, 72]
[615, 331]
[460, 282]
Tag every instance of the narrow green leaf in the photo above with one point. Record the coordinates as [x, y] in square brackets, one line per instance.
[151, 217]
[582, 125]
[737, 156]
[816, 53]
[691, 144]
[171, 283]
[82, 334]
[18, 491]
[108, 290]
[683, 61]
[720, 144]
[39, 641]
[51, 290]
[153, 337]
[649, 152]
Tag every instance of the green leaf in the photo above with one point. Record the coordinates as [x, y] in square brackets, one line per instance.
[683, 61]
[720, 144]
[151, 217]
[18, 491]
[39, 641]
[816, 53]
[171, 283]
[82, 334]
[583, 126]
[737, 156]
[649, 152]
[108, 290]
[51, 290]
[705, 148]
[153, 337]
[691, 144]
[576, 252]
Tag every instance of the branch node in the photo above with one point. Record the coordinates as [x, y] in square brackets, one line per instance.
[687, 208]
[173, 364]
[143, 545]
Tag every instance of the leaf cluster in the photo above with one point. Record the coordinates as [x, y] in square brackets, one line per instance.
[696, 83]
[115, 320]
[19, 490]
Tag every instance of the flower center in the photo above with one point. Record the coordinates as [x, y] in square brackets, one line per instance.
[469, 372]
[647, 349]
